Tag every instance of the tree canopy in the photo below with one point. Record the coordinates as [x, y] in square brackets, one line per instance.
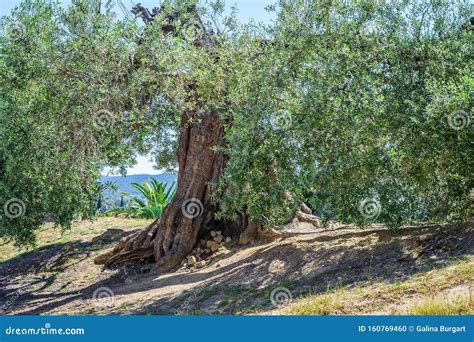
[362, 108]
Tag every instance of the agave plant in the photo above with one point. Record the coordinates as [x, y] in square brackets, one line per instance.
[156, 198]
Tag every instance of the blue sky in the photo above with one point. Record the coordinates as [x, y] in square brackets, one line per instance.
[247, 9]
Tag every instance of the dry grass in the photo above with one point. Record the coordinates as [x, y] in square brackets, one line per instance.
[441, 306]
[442, 291]
[80, 231]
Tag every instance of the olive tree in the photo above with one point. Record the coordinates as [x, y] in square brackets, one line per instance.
[361, 108]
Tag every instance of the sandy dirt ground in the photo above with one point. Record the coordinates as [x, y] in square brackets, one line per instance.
[62, 279]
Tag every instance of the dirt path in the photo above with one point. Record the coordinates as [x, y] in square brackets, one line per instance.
[63, 279]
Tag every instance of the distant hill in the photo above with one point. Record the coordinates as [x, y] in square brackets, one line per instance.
[125, 185]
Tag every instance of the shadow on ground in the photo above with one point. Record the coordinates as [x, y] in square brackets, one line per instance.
[239, 282]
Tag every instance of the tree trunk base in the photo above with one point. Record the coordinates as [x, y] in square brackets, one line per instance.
[256, 232]
[191, 214]
[133, 248]
[143, 246]
[170, 239]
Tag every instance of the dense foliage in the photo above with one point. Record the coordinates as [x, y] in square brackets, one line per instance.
[363, 107]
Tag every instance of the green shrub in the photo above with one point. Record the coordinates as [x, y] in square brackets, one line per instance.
[156, 198]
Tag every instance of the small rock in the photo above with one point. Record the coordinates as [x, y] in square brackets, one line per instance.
[228, 239]
[219, 233]
[218, 238]
[213, 233]
[212, 245]
[191, 260]
[200, 264]
[207, 251]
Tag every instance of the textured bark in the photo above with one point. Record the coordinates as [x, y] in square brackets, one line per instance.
[171, 238]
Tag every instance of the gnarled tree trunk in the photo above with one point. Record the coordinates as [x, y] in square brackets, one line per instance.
[168, 240]
[172, 237]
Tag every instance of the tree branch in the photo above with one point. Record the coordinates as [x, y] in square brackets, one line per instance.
[144, 13]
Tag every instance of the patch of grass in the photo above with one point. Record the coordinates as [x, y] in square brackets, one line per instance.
[50, 235]
[208, 292]
[196, 312]
[419, 295]
[319, 305]
[182, 297]
[460, 305]
[224, 302]
[287, 283]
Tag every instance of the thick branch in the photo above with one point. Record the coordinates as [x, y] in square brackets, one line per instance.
[147, 16]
